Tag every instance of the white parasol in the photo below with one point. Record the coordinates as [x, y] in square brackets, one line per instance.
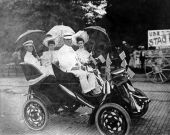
[58, 31]
[82, 34]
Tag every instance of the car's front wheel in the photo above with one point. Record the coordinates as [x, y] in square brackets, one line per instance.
[35, 114]
[112, 119]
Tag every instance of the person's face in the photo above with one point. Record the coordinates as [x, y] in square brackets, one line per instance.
[80, 44]
[51, 47]
[29, 48]
[68, 42]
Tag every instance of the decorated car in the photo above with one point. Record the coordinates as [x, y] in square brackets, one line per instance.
[112, 109]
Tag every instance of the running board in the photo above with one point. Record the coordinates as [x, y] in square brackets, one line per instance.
[81, 99]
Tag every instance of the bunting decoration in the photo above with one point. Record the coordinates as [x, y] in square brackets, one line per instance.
[108, 68]
[106, 88]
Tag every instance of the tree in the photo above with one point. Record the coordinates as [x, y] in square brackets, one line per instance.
[19, 15]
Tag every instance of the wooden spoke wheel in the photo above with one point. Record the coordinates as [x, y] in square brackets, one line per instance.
[157, 70]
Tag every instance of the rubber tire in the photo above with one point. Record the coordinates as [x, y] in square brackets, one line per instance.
[44, 109]
[118, 107]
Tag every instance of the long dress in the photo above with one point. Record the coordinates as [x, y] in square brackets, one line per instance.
[49, 57]
[84, 57]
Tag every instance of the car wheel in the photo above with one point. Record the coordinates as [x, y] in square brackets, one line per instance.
[112, 119]
[35, 114]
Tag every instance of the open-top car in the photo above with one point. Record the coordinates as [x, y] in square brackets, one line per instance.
[111, 109]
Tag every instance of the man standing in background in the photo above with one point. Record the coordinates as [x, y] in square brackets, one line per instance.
[127, 49]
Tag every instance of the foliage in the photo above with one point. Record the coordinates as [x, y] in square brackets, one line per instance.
[124, 19]
[19, 15]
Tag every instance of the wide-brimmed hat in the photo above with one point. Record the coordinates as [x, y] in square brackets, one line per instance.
[47, 39]
[80, 34]
[28, 43]
[60, 32]
[68, 35]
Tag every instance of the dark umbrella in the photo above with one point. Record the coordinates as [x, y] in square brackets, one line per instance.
[98, 28]
[37, 36]
[98, 40]
[27, 33]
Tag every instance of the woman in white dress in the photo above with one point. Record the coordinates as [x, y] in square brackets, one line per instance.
[83, 54]
[85, 57]
[29, 58]
[49, 56]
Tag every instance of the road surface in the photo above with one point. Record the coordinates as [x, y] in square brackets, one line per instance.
[12, 90]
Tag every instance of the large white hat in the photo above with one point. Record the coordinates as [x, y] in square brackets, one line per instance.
[59, 32]
[28, 43]
[81, 34]
[47, 39]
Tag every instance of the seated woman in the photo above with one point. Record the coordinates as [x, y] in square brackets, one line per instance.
[50, 56]
[85, 57]
[83, 54]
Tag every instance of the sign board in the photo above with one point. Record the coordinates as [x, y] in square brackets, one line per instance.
[159, 38]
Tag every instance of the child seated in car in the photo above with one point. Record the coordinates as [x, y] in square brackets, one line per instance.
[31, 59]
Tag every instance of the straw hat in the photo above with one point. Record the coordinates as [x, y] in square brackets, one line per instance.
[68, 35]
[28, 43]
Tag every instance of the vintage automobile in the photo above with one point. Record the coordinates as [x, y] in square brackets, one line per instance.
[111, 110]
